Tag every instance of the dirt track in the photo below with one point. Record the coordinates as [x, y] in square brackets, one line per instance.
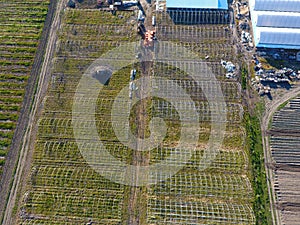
[32, 105]
[266, 118]
[137, 199]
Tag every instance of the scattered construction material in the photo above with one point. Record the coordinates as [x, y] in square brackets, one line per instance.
[230, 68]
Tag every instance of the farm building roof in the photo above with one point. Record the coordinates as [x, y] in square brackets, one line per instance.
[278, 37]
[277, 5]
[198, 4]
[278, 19]
[276, 23]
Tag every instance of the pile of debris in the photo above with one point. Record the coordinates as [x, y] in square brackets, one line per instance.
[260, 88]
[242, 10]
[272, 75]
[246, 38]
[160, 5]
[230, 68]
[267, 78]
[116, 4]
[263, 90]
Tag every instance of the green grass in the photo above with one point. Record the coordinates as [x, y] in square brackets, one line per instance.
[21, 24]
[254, 142]
[244, 77]
[282, 105]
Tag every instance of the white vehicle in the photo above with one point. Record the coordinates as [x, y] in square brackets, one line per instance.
[141, 16]
[153, 21]
[127, 4]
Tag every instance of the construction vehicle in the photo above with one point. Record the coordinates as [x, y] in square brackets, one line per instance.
[149, 38]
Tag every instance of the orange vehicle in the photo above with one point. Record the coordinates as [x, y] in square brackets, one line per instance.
[149, 37]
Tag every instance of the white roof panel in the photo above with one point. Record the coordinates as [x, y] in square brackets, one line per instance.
[277, 5]
[276, 23]
[288, 37]
[284, 20]
[198, 4]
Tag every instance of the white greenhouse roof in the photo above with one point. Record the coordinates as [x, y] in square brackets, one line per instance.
[277, 5]
[276, 23]
[274, 19]
[277, 37]
[198, 4]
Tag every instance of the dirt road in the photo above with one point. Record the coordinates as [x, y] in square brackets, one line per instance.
[136, 207]
[36, 106]
[137, 201]
[271, 108]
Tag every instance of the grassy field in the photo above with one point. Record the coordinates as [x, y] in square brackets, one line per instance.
[64, 189]
[21, 24]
